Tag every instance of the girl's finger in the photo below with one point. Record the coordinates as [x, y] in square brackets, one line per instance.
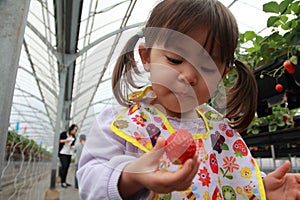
[188, 172]
[158, 150]
[282, 170]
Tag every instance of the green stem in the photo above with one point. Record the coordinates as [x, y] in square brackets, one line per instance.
[225, 172]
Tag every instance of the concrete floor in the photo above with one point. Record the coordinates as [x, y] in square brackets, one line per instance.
[38, 189]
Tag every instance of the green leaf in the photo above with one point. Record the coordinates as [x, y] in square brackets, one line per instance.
[251, 50]
[295, 40]
[255, 131]
[294, 60]
[224, 147]
[295, 8]
[229, 176]
[283, 6]
[222, 171]
[274, 37]
[287, 25]
[238, 154]
[283, 18]
[272, 7]
[249, 35]
[272, 127]
[280, 123]
[272, 20]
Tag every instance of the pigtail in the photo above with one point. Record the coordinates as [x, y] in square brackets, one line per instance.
[242, 98]
[123, 71]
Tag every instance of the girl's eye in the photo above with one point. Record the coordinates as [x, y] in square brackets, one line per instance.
[207, 70]
[174, 61]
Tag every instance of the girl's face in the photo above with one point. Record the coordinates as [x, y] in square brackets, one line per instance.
[182, 73]
[73, 131]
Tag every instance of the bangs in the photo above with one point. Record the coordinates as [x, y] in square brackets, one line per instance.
[185, 16]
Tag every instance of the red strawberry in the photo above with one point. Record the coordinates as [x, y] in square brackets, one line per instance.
[240, 148]
[229, 133]
[223, 126]
[285, 118]
[289, 67]
[213, 163]
[180, 146]
[279, 87]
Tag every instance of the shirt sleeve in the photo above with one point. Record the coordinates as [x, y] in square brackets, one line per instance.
[263, 174]
[102, 160]
[63, 136]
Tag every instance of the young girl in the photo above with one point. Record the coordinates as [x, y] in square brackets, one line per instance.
[189, 46]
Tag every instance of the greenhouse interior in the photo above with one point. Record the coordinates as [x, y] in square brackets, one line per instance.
[56, 70]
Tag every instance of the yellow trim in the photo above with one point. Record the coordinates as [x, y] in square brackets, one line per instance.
[138, 95]
[195, 136]
[202, 136]
[165, 121]
[260, 181]
[125, 136]
[171, 130]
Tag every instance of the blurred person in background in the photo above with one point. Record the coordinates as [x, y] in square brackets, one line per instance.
[66, 145]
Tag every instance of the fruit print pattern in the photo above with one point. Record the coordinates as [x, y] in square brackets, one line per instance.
[240, 148]
[213, 163]
[217, 194]
[153, 132]
[204, 177]
[226, 165]
[247, 192]
[228, 193]
[218, 142]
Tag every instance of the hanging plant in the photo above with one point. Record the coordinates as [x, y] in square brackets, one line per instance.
[275, 61]
[283, 40]
[281, 117]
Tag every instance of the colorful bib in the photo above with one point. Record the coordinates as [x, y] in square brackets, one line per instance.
[227, 170]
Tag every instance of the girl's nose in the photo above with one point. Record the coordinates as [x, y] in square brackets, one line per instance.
[189, 75]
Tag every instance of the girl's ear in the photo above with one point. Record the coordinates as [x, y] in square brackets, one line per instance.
[145, 56]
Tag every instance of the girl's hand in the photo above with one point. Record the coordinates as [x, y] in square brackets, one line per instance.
[68, 140]
[65, 141]
[145, 173]
[283, 185]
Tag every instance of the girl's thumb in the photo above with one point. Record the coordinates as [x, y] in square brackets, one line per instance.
[158, 149]
[160, 144]
[282, 170]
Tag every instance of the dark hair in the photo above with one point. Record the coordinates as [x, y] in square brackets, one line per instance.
[72, 127]
[82, 137]
[184, 16]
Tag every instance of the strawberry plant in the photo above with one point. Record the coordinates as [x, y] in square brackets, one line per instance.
[274, 59]
[283, 40]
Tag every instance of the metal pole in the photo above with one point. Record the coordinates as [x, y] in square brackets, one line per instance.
[273, 156]
[58, 125]
[260, 163]
[13, 17]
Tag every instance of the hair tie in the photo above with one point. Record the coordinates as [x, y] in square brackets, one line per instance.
[140, 34]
